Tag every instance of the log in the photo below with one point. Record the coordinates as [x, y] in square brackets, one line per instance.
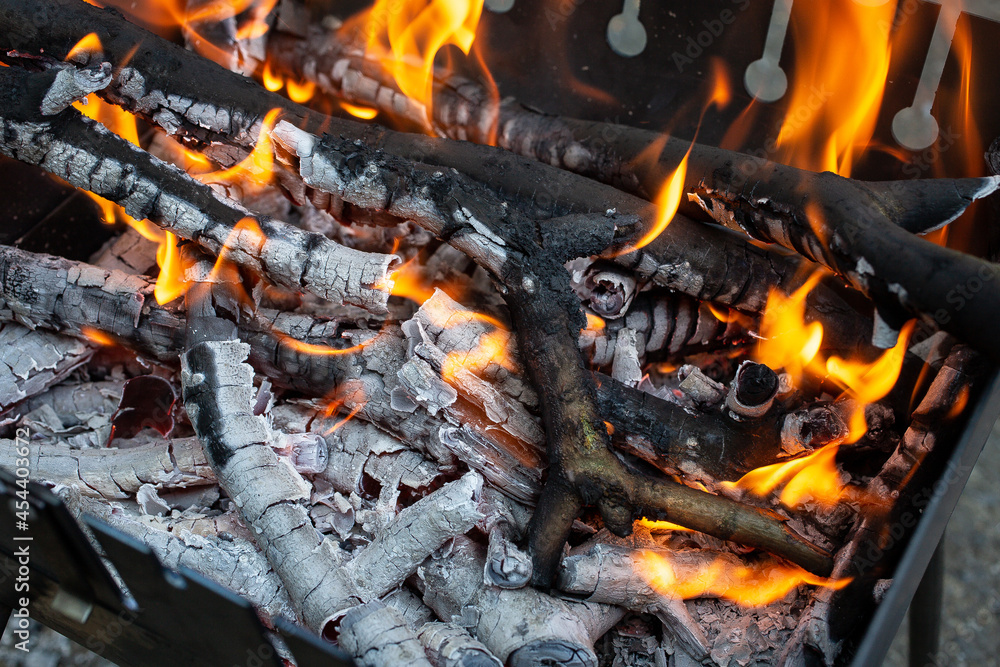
[32, 361]
[520, 627]
[88, 156]
[377, 636]
[449, 645]
[113, 473]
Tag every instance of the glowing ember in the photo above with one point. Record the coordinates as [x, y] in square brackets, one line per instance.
[787, 341]
[867, 383]
[97, 336]
[746, 585]
[594, 323]
[300, 92]
[841, 66]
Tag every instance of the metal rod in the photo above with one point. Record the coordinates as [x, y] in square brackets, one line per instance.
[925, 612]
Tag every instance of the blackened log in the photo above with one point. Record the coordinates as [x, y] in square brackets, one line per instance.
[612, 153]
[88, 156]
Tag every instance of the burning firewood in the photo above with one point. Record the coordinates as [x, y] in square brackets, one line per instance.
[593, 351]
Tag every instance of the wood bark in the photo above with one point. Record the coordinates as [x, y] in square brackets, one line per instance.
[88, 156]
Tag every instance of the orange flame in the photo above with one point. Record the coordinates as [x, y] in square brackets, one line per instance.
[364, 113]
[271, 80]
[123, 124]
[300, 93]
[867, 383]
[171, 282]
[594, 323]
[811, 478]
[842, 54]
[407, 35]
[787, 340]
[257, 167]
[88, 48]
[722, 87]
[746, 585]
[491, 349]
[407, 282]
[97, 336]
[667, 203]
[660, 525]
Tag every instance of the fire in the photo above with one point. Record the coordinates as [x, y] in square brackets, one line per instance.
[747, 585]
[667, 203]
[300, 93]
[163, 16]
[97, 336]
[594, 323]
[786, 340]
[121, 123]
[407, 35]
[171, 282]
[722, 87]
[364, 113]
[319, 350]
[867, 383]
[257, 167]
[842, 52]
[490, 349]
[407, 282]
[87, 48]
[660, 525]
[271, 80]
[811, 478]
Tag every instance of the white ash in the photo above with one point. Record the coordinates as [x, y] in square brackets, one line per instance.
[378, 636]
[31, 361]
[116, 473]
